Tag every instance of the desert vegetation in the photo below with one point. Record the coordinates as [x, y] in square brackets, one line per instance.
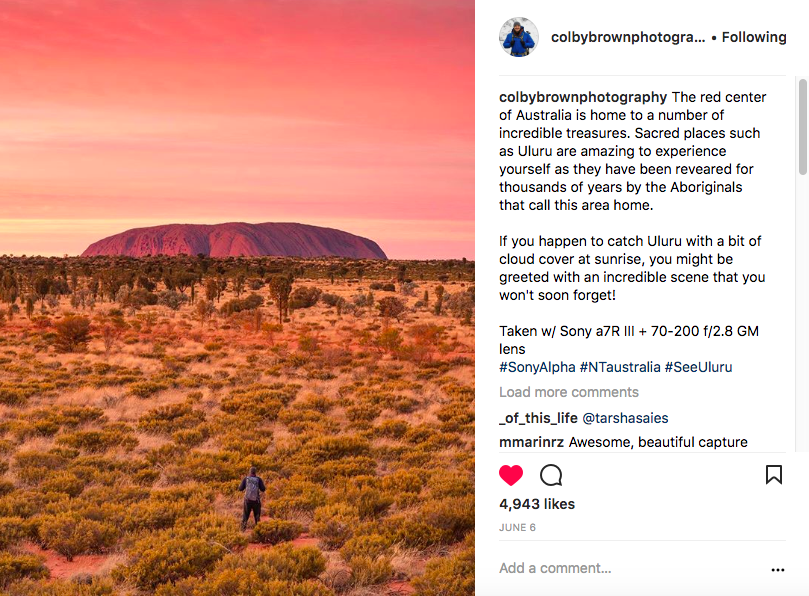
[136, 393]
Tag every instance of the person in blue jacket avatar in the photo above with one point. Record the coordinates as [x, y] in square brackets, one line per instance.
[519, 40]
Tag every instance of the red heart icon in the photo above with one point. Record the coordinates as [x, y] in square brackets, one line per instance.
[511, 474]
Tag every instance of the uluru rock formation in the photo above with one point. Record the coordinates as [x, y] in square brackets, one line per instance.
[237, 239]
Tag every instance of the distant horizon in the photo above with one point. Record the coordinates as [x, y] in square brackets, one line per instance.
[5, 233]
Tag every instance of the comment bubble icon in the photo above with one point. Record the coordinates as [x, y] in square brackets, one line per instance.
[551, 475]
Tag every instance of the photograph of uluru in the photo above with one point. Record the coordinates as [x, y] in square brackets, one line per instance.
[237, 240]
[237, 298]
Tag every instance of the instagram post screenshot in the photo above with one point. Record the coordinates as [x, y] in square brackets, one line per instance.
[640, 181]
[243, 244]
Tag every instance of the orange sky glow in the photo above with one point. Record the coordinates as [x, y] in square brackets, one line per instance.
[353, 114]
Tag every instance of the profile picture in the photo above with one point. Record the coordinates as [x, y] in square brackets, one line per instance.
[517, 37]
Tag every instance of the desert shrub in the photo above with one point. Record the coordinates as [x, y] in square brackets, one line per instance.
[31, 427]
[15, 567]
[251, 404]
[390, 307]
[452, 576]
[343, 468]
[368, 499]
[97, 441]
[300, 420]
[24, 503]
[139, 298]
[315, 402]
[208, 467]
[93, 587]
[66, 416]
[455, 517]
[154, 560]
[369, 571]
[389, 339]
[400, 403]
[144, 389]
[70, 534]
[72, 334]
[411, 533]
[361, 299]
[395, 429]
[363, 412]
[297, 359]
[171, 299]
[281, 571]
[32, 467]
[323, 449]
[308, 343]
[259, 401]
[145, 476]
[63, 482]
[334, 524]
[247, 442]
[171, 418]
[402, 481]
[221, 529]
[304, 297]
[428, 437]
[113, 495]
[294, 495]
[251, 302]
[283, 562]
[274, 531]
[331, 300]
[166, 454]
[13, 530]
[14, 395]
[150, 515]
[457, 416]
[104, 470]
[191, 437]
[164, 507]
[462, 304]
[445, 483]
[367, 545]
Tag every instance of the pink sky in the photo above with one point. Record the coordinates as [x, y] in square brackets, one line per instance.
[354, 114]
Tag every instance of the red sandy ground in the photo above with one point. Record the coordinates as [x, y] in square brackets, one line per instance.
[302, 540]
[61, 568]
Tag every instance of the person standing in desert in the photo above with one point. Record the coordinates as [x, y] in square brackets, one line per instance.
[252, 486]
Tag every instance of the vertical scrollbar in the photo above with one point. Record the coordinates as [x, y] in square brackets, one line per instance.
[802, 127]
[801, 278]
